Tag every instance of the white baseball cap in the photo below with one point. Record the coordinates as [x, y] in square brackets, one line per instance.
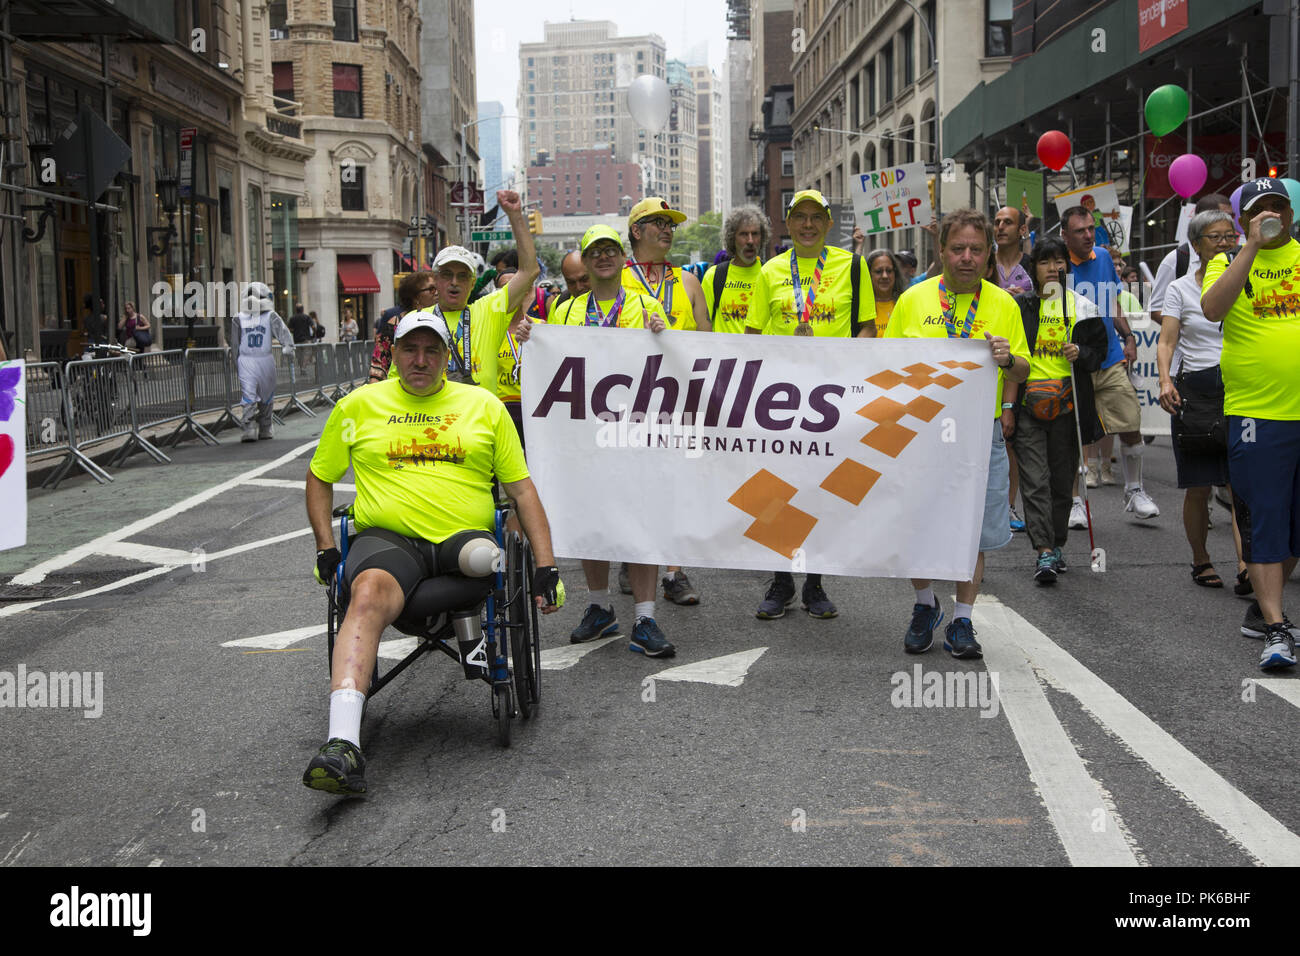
[456, 254]
[423, 320]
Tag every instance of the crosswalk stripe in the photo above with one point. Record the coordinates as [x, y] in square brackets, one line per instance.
[1244, 821]
[1285, 687]
[1085, 822]
[562, 658]
[729, 670]
[279, 640]
[397, 648]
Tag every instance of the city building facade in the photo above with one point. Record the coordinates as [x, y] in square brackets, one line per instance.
[448, 130]
[583, 182]
[713, 137]
[683, 145]
[491, 144]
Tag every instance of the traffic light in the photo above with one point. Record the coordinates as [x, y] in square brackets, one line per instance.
[534, 222]
[1272, 172]
[930, 184]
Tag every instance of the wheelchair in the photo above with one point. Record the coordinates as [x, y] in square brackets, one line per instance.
[497, 612]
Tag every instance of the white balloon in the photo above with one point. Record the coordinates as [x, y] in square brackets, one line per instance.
[649, 102]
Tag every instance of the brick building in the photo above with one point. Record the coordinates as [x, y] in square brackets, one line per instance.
[583, 182]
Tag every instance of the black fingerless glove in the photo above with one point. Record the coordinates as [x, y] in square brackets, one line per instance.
[326, 562]
[548, 586]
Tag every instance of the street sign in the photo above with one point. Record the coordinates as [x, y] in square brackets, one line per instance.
[491, 235]
[467, 195]
[188, 134]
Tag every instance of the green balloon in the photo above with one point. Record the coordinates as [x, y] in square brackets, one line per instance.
[1166, 108]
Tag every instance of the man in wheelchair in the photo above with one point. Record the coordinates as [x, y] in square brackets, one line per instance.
[423, 451]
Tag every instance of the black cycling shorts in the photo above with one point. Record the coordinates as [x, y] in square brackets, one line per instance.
[408, 560]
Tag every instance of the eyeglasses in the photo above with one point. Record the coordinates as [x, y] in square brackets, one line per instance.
[604, 252]
[427, 289]
[660, 222]
[1220, 238]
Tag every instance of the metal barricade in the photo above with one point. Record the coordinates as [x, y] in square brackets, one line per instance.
[98, 405]
[342, 370]
[322, 373]
[286, 381]
[158, 397]
[208, 390]
[359, 367]
[47, 420]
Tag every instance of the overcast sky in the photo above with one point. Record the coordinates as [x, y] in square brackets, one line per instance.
[691, 29]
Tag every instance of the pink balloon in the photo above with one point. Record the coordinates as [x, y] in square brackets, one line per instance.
[1187, 174]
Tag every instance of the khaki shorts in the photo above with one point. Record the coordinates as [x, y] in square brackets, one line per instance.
[1116, 400]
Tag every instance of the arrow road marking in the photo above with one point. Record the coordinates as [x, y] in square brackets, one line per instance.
[562, 658]
[729, 670]
[279, 640]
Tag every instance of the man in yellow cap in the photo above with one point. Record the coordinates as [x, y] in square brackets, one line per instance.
[650, 228]
[610, 305]
[811, 289]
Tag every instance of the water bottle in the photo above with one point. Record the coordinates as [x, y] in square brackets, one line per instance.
[472, 644]
[1270, 229]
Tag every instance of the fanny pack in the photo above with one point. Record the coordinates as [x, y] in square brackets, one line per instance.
[1049, 398]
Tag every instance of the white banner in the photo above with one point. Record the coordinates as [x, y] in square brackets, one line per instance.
[13, 455]
[845, 456]
[1145, 375]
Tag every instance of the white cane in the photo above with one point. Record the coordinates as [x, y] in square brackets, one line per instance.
[1078, 425]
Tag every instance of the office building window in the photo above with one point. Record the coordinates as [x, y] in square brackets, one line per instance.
[787, 162]
[907, 36]
[352, 188]
[998, 38]
[347, 90]
[277, 13]
[282, 80]
[345, 20]
[887, 74]
[871, 89]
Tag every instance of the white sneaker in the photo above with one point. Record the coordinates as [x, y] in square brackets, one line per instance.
[1107, 474]
[1078, 517]
[1139, 502]
[1279, 649]
[1093, 476]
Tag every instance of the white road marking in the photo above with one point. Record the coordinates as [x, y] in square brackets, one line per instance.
[562, 658]
[1072, 796]
[1286, 688]
[397, 649]
[290, 483]
[263, 543]
[156, 861]
[1244, 821]
[10, 858]
[729, 670]
[36, 575]
[148, 554]
[278, 640]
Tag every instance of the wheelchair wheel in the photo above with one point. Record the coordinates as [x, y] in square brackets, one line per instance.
[522, 625]
[534, 629]
[501, 708]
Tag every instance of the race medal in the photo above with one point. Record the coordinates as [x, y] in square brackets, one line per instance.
[804, 307]
[803, 328]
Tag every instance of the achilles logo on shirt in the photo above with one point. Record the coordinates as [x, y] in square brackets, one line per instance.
[416, 452]
[418, 418]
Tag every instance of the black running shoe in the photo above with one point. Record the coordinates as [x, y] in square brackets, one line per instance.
[597, 622]
[920, 635]
[817, 604]
[338, 768]
[647, 639]
[959, 639]
[779, 596]
[1045, 569]
[677, 588]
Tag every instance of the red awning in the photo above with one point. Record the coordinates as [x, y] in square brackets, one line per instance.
[356, 276]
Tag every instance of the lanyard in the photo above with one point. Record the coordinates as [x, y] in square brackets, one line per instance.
[805, 309]
[462, 334]
[594, 317]
[950, 317]
[667, 280]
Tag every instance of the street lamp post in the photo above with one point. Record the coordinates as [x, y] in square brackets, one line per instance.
[938, 109]
[464, 168]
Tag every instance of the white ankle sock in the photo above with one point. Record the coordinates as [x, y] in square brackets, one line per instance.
[961, 610]
[345, 715]
[925, 596]
[644, 609]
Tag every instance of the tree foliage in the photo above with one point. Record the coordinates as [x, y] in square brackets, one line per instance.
[700, 239]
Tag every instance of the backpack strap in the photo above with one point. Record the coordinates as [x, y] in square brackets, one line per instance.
[855, 273]
[719, 284]
[1182, 259]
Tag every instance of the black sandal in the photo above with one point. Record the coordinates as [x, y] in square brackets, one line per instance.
[1243, 586]
[1209, 580]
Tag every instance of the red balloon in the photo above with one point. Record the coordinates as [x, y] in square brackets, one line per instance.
[1054, 149]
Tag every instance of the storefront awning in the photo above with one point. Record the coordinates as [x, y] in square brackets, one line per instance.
[356, 276]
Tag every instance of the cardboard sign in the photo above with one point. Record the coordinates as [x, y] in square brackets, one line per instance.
[1103, 202]
[1025, 187]
[886, 200]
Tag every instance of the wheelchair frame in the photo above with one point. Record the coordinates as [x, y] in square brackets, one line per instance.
[508, 616]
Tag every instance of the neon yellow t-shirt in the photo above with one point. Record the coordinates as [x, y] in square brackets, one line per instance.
[423, 466]
[1048, 360]
[772, 308]
[733, 307]
[1261, 337]
[488, 322]
[917, 314]
[682, 317]
[883, 311]
[507, 383]
[632, 316]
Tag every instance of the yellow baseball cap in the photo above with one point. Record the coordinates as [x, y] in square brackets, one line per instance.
[808, 195]
[598, 233]
[654, 206]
